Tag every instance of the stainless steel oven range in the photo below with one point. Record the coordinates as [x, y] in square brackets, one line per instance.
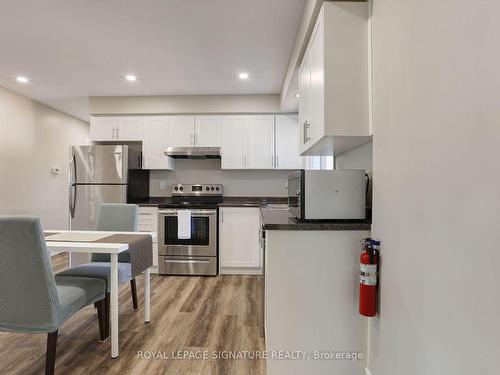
[197, 254]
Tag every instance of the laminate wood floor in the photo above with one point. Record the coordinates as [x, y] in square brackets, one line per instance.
[197, 314]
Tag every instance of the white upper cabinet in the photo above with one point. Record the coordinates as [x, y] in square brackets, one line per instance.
[155, 141]
[194, 131]
[181, 131]
[208, 131]
[333, 81]
[305, 101]
[287, 142]
[129, 128]
[105, 129]
[316, 93]
[260, 146]
[102, 128]
[246, 141]
[234, 142]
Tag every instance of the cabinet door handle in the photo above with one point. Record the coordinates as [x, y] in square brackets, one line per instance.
[277, 163]
[245, 160]
[192, 139]
[117, 132]
[306, 128]
[113, 136]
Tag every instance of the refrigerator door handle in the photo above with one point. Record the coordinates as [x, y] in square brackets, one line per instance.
[72, 187]
[72, 170]
[72, 200]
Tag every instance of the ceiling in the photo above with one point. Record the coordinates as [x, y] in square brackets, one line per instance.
[73, 49]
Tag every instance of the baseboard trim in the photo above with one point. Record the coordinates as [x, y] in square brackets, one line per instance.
[367, 371]
[240, 271]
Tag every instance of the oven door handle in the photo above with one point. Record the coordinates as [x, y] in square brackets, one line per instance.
[193, 212]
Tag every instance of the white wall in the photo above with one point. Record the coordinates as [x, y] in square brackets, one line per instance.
[236, 183]
[437, 194]
[170, 104]
[360, 157]
[33, 139]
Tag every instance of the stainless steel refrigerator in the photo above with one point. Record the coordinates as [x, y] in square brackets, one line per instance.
[103, 174]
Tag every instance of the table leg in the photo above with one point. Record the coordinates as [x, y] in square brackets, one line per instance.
[147, 295]
[114, 305]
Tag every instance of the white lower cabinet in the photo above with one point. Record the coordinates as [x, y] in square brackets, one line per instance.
[148, 222]
[239, 248]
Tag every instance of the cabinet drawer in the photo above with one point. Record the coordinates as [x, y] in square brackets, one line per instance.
[148, 219]
[148, 211]
[146, 227]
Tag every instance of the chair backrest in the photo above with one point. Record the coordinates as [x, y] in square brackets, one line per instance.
[116, 217]
[28, 294]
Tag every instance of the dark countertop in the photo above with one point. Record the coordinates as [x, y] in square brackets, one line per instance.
[273, 219]
[153, 201]
[227, 202]
[251, 201]
[281, 220]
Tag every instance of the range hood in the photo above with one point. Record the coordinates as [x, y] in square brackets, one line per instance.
[193, 152]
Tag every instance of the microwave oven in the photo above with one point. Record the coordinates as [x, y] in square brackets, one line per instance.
[327, 194]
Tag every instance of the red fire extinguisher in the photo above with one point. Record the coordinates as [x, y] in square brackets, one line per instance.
[368, 265]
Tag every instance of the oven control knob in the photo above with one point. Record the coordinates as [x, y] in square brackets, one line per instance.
[176, 188]
[217, 188]
[212, 188]
[181, 188]
[207, 188]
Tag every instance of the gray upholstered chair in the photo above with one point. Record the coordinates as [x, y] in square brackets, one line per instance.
[118, 218]
[31, 299]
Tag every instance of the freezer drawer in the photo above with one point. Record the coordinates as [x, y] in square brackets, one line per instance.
[171, 265]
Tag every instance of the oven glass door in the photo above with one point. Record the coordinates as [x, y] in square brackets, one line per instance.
[200, 231]
[203, 241]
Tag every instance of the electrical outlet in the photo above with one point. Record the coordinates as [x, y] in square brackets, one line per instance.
[163, 185]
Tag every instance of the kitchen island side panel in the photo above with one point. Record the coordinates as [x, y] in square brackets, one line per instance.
[311, 300]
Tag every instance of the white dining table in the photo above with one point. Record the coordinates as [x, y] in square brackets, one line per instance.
[82, 246]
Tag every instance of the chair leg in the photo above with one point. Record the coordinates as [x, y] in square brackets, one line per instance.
[50, 356]
[107, 307]
[101, 317]
[133, 288]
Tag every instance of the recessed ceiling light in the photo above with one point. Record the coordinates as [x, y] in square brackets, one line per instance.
[22, 79]
[243, 75]
[130, 77]
[297, 95]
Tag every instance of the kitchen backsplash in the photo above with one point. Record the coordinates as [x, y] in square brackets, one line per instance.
[236, 182]
[246, 182]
